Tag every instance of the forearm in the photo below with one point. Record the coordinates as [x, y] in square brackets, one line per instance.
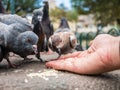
[119, 47]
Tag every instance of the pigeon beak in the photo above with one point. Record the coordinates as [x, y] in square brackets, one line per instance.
[59, 51]
[35, 49]
[50, 40]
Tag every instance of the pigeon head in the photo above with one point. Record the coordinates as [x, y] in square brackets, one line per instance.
[62, 42]
[37, 15]
[45, 10]
[26, 43]
[29, 40]
[54, 42]
[64, 23]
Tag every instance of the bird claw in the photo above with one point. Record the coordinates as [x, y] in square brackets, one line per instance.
[27, 59]
[12, 66]
[38, 56]
[41, 60]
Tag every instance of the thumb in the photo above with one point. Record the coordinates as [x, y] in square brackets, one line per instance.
[90, 43]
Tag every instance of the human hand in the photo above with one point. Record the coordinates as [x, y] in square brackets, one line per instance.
[103, 55]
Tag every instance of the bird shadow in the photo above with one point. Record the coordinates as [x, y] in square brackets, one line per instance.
[20, 64]
[32, 62]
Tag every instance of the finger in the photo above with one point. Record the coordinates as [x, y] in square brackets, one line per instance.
[83, 54]
[92, 64]
[70, 55]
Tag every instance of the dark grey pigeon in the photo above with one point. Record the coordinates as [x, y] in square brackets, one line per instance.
[1, 53]
[41, 45]
[42, 15]
[1, 46]
[63, 24]
[37, 15]
[3, 31]
[46, 23]
[10, 19]
[17, 41]
[38, 30]
[42, 27]
[24, 44]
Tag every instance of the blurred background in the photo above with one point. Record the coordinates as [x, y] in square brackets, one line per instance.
[87, 18]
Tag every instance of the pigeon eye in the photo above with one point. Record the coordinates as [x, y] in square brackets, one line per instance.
[60, 40]
[28, 40]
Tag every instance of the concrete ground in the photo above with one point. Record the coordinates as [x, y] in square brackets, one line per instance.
[33, 75]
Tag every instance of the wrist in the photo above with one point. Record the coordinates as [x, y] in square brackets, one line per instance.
[116, 51]
[118, 40]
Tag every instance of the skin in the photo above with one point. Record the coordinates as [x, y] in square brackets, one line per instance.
[103, 55]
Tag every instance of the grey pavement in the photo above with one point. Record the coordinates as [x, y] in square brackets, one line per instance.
[33, 75]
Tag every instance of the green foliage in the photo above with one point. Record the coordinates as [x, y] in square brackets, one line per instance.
[58, 13]
[22, 6]
[105, 11]
[72, 15]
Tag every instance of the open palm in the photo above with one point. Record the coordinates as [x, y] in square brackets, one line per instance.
[101, 56]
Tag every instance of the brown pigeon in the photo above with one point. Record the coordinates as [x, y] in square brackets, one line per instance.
[63, 40]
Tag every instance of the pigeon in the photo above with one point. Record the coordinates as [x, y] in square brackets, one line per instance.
[42, 39]
[24, 44]
[10, 19]
[42, 27]
[20, 42]
[63, 40]
[1, 53]
[37, 15]
[38, 30]
[63, 24]
[46, 22]
[1, 45]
